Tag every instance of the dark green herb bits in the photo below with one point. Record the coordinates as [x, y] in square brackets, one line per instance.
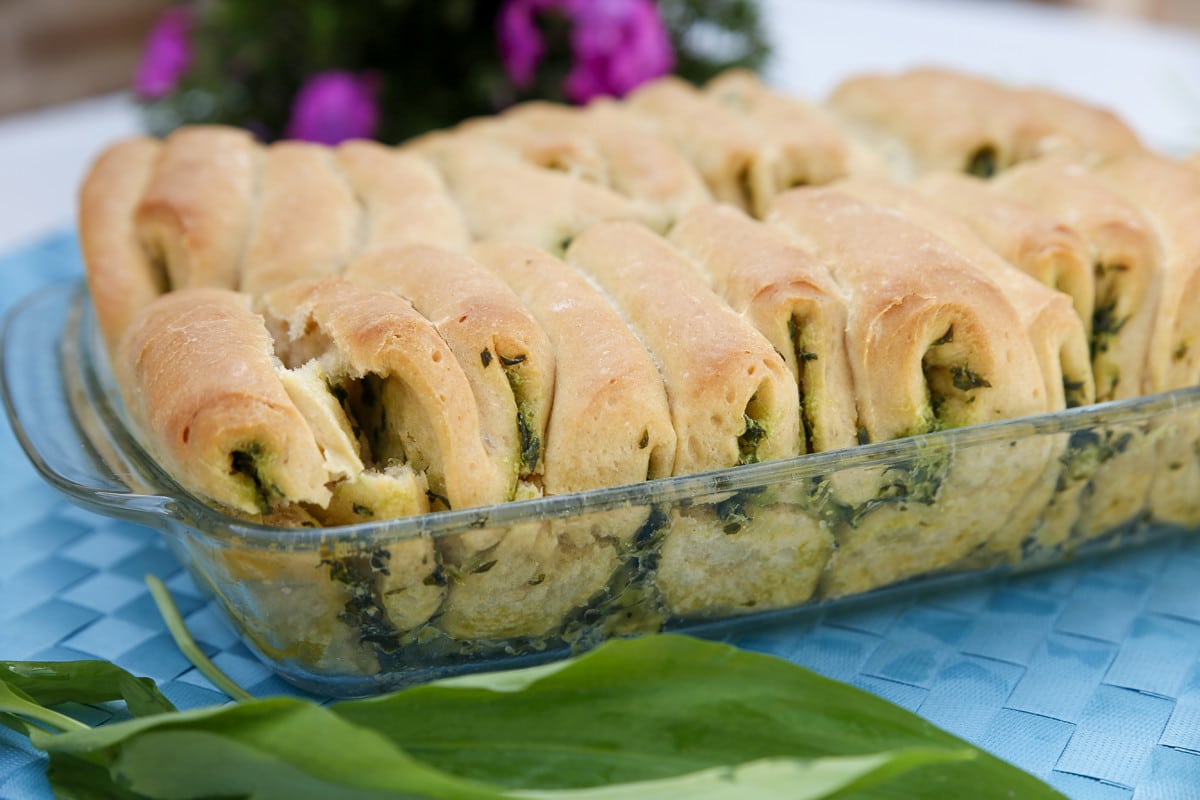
[486, 357]
[1181, 351]
[1074, 393]
[750, 440]
[965, 380]
[531, 441]
[1087, 450]
[245, 462]
[945, 338]
[363, 511]
[644, 442]
[1105, 325]
[983, 163]
[364, 611]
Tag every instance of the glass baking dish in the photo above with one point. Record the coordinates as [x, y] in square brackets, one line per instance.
[363, 608]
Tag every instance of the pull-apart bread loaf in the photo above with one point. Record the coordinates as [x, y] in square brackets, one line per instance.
[557, 300]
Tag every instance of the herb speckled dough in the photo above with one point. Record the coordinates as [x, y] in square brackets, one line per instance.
[1170, 199]
[923, 357]
[200, 379]
[732, 401]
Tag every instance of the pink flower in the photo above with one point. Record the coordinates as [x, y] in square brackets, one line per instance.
[167, 55]
[615, 44]
[334, 106]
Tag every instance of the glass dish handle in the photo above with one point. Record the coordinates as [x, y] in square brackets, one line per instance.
[53, 408]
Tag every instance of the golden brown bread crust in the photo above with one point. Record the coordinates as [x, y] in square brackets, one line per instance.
[422, 411]
[792, 300]
[923, 357]
[952, 121]
[747, 144]
[610, 424]
[946, 120]
[1036, 242]
[1048, 317]
[308, 223]
[896, 322]
[199, 377]
[502, 196]
[121, 279]
[1169, 198]
[732, 399]
[813, 151]
[1124, 255]
[609, 145]
[404, 199]
[714, 139]
[504, 354]
[1073, 129]
[196, 213]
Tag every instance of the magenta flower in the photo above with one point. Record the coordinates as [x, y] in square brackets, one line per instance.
[334, 106]
[167, 55]
[615, 44]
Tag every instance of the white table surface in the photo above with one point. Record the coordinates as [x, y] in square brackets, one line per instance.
[1149, 74]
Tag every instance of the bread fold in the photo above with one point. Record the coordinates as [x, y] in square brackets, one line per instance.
[746, 147]
[610, 423]
[502, 351]
[196, 212]
[399, 381]
[1034, 241]
[923, 357]
[121, 278]
[606, 143]
[813, 150]
[1124, 255]
[404, 199]
[308, 225]
[1170, 199]
[732, 401]
[948, 120]
[201, 382]
[503, 196]
[1048, 318]
[792, 300]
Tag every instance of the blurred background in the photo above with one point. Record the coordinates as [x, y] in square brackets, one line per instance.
[54, 51]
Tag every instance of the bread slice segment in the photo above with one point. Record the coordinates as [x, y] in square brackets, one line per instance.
[201, 381]
[308, 224]
[121, 278]
[195, 215]
[925, 354]
[404, 199]
[409, 397]
[503, 352]
[792, 300]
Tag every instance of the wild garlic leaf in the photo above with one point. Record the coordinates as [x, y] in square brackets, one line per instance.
[281, 748]
[662, 706]
[767, 779]
[16, 707]
[75, 778]
[53, 682]
[661, 716]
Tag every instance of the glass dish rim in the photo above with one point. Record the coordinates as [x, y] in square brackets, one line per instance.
[173, 501]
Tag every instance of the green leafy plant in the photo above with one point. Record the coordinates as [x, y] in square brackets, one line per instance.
[663, 716]
[326, 70]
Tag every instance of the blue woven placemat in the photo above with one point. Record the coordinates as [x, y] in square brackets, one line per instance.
[1087, 676]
